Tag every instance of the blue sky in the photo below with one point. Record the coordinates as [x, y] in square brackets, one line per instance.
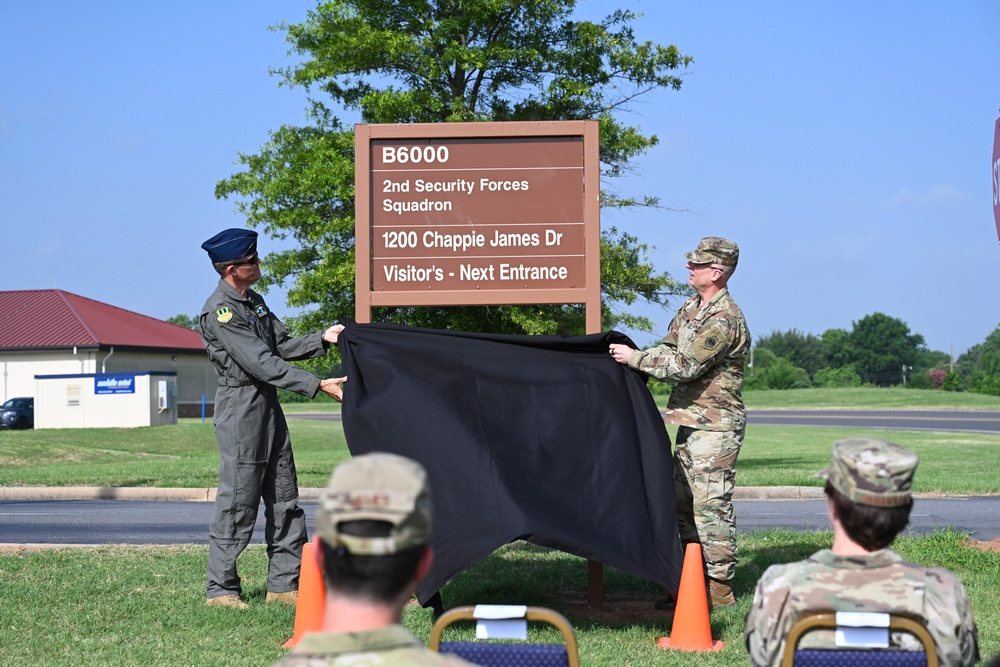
[846, 146]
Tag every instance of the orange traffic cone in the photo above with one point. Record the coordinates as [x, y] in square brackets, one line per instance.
[691, 630]
[312, 597]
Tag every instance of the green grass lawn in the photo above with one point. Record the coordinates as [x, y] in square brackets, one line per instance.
[185, 455]
[850, 398]
[866, 398]
[131, 605]
[127, 605]
[182, 455]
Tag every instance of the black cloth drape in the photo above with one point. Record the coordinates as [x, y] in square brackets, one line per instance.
[540, 438]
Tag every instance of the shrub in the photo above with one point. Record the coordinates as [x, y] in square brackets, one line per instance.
[779, 374]
[920, 381]
[837, 377]
[981, 383]
[285, 396]
[953, 382]
[659, 387]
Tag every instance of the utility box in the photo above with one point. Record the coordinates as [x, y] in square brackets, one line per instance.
[103, 400]
[167, 395]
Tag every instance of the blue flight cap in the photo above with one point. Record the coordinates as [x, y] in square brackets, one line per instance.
[231, 244]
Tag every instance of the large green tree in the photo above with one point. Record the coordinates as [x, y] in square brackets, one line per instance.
[429, 61]
[802, 350]
[981, 365]
[880, 347]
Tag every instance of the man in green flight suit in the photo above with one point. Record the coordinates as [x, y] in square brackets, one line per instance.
[250, 349]
[703, 354]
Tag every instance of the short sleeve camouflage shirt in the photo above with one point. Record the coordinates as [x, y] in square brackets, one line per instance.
[880, 581]
[704, 353]
[392, 646]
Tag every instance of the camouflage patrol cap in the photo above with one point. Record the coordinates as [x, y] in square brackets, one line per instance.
[378, 487]
[715, 250]
[872, 472]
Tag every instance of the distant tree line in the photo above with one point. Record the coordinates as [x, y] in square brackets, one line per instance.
[185, 321]
[878, 350]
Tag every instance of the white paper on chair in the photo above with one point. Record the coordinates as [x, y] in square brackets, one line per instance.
[493, 611]
[862, 629]
[502, 629]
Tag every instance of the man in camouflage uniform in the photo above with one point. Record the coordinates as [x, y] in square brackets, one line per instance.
[373, 531]
[867, 485]
[703, 353]
[250, 349]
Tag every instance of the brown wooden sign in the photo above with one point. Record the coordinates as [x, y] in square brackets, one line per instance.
[477, 213]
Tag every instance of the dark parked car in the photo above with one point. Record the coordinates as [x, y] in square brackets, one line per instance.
[18, 413]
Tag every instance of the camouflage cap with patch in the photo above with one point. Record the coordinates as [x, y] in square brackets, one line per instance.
[379, 487]
[715, 250]
[872, 472]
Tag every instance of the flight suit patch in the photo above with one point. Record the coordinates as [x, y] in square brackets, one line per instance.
[223, 315]
[261, 309]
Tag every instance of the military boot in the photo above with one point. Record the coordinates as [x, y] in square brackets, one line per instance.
[720, 594]
[288, 597]
[665, 603]
[227, 601]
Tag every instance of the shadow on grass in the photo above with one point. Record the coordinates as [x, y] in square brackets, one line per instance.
[523, 573]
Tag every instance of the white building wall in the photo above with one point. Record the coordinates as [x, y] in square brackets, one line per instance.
[18, 369]
[195, 374]
[72, 402]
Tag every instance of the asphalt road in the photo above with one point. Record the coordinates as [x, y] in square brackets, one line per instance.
[970, 421]
[158, 522]
[186, 522]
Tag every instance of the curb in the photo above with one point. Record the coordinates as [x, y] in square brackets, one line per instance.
[308, 495]
[104, 493]
[778, 493]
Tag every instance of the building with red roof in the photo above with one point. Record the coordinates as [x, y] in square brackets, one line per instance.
[54, 332]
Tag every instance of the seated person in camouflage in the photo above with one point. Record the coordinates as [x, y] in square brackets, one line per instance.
[373, 528]
[869, 502]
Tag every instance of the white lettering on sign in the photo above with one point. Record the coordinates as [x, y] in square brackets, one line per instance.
[457, 242]
[401, 207]
[522, 272]
[114, 382]
[388, 185]
[469, 272]
[488, 185]
[395, 239]
[414, 154]
[410, 273]
[459, 185]
[514, 240]
[552, 237]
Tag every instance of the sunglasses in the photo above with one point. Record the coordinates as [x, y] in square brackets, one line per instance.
[252, 259]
